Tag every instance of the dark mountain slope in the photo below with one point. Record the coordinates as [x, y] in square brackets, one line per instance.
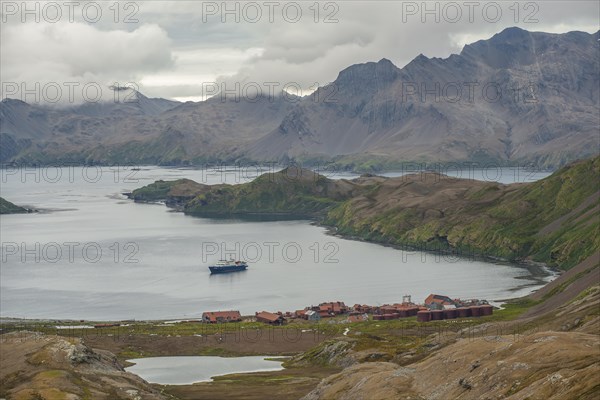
[518, 97]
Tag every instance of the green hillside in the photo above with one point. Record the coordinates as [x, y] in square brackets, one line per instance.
[164, 190]
[554, 220]
[291, 191]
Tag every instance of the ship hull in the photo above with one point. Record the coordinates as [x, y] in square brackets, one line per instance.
[227, 269]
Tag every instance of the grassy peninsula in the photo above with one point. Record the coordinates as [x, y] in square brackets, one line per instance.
[554, 220]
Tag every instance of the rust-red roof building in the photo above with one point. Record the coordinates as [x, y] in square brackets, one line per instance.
[336, 307]
[439, 299]
[364, 308]
[221, 316]
[385, 309]
[269, 318]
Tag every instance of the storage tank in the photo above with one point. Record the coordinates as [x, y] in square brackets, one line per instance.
[387, 310]
[475, 311]
[412, 311]
[396, 315]
[463, 312]
[423, 316]
[388, 316]
[450, 313]
[377, 317]
[487, 309]
[437, 315]
[403, 313]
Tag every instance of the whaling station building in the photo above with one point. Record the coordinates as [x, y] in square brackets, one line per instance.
[269, 318]
[436, 307]
[213, 317]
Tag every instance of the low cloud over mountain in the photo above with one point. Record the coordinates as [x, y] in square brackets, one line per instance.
[518, 97]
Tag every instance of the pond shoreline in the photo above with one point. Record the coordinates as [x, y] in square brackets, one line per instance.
[188, 370]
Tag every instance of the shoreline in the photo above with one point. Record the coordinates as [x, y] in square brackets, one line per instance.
[396, 166]
[537, 270]
[539, 273]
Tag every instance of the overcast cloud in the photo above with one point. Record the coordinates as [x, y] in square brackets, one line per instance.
[172, 49]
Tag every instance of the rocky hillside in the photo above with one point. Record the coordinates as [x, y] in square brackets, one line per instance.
[291, 191]
[139, 131]
[294, 191]
[518, 97]
[549, 352]
[554, 220]
[549, 365]
[173, 193]
[37, 366]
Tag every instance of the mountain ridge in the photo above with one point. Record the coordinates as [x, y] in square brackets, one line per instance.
[374, 115]
[403, 120]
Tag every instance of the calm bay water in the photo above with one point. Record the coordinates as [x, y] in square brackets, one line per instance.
[96, 255]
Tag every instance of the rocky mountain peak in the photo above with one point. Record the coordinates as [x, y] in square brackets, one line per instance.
[368, 73]
[369, 109]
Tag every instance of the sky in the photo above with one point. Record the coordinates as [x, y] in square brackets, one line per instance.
[69, 52]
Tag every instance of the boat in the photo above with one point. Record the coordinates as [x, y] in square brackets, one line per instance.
[224, 266]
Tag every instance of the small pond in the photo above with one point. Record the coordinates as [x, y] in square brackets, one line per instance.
[192, 369]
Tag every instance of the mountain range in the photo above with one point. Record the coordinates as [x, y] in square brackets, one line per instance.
[518, 97]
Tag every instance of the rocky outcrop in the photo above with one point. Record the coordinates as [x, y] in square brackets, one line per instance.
[57, 367]
[549, 355]
[552, 365]
[338, 353]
